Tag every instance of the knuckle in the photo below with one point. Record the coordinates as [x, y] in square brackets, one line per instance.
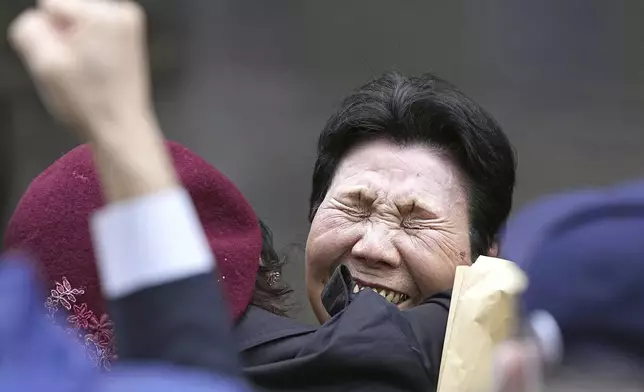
[19, 30]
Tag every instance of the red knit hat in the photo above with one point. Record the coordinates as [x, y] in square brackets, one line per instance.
[51, 222]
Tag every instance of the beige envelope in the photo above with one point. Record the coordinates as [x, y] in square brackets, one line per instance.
[482, 314]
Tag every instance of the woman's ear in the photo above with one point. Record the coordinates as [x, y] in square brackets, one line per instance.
[493, 251]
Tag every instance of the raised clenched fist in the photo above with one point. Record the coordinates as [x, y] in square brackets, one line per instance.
[88, 60]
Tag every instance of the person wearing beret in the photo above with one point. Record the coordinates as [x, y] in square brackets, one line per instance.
[51, 221]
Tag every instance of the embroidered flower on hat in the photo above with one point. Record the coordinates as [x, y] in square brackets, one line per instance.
[95, 332]
[63, 294]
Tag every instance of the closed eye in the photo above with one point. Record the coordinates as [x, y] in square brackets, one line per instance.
[357, 211]
[413, 224]
[416, 212]
[351, 209]
[355, 202]
[422, 214]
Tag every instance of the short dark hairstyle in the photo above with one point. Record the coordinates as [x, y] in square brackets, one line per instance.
[426, 110]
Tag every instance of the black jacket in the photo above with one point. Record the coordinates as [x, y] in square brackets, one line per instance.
[369, 345]
[182, 323]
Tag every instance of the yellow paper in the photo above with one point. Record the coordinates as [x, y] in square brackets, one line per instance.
[482, 314]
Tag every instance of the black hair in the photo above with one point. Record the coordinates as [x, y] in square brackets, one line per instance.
[271, 292]
[426, 110]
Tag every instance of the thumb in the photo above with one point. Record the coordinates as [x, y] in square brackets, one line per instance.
[37, 42]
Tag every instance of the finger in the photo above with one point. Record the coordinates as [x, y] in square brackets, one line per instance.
[517, 367]
[71, 11]
[65, 9]
[508, 369]
[23, 30]
[68, 12]
[36, 41]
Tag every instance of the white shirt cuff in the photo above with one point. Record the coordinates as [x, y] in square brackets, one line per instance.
[149, 241]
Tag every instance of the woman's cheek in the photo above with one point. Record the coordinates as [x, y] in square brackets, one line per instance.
[332, 235]
[429, 261]
[330, 222]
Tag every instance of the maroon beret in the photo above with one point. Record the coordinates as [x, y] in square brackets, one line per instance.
[51, 222]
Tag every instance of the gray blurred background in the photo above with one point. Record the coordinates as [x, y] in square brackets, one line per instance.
[248, 85]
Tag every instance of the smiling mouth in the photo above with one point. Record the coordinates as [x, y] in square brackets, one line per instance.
[392, 296]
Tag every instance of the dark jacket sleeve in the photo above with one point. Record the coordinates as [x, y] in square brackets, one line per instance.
[184, 323]
[368, 346]
[428, 322]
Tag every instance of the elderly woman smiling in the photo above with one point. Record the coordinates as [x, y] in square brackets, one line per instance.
[412, 179]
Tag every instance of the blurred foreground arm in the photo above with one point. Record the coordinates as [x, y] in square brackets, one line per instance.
[88, 61]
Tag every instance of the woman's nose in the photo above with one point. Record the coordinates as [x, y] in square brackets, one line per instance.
[376, 246]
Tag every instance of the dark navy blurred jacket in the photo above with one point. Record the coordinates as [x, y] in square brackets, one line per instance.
[583, 253]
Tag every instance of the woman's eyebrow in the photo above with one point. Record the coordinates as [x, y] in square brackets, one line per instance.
[357, 193]
[411, 205]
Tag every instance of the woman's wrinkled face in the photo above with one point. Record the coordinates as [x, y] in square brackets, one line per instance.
[397, 217]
